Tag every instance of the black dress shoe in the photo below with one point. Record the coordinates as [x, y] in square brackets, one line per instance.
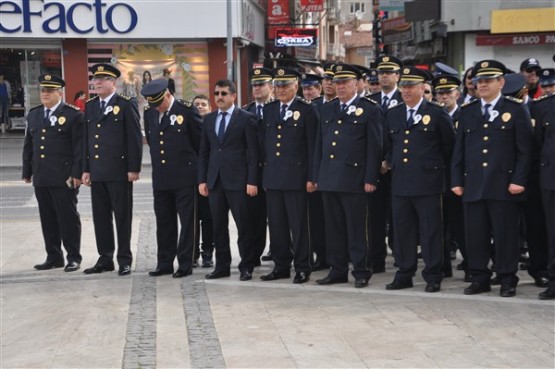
[476, 288]
[217, 274]
[332, 280]
[398, 285]
[182, 273]
[245, 275]
[548, 294]
[195, 263]
[467, 277]
[447, 274]
[72, 266]
[541, 282]
[361, 282]
[301, 277]
[495, 281]
[320, 264]
[50, 265]
[158, 272]
[507, 290]
[124, 270]
[378, 269]
[267, 257]
[273, 275]
[432, 287]
[99, 268]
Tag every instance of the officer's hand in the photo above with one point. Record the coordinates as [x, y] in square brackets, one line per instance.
[203, 189]
[132, 176]
[27, 180]
[76, 182]
[515, 189]
[86, 178]
[369, 188]
[310, 187]
[385, 167]
[252, 190]
[458, 190]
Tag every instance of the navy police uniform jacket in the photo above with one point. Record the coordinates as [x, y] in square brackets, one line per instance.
[348, 147]
[52, 151]
[288, 145]
[490, 155]
[113, 143]
[418, 155]
[396, 99]
[235, 159]
[543, 120]
[174, 144]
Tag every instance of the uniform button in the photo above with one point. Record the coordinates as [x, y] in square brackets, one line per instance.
[43, 130]
[486, 125]
[96, 136]
[42, 156]
[278, 144]
[279, 127]
[332, 156]
[161, 133]
[407, 132]
[406, 141]
[96, 146]
[405, 151]
[486, 138]
[356, 164]
[98, 125]
[43, 138]
[484, 164]
[339, 121]
[405, 160]
[96, 156]
[161, 142]
[277, 153]
[278, 136]
[485, 151]
[162, 152]
[336, 132]
[334, 143]
[42, 147]
[163, 162]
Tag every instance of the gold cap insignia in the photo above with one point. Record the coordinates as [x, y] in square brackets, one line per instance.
[100, 68]
[426, 119]
[339, 68]
[443, 81]
[506, 117]
[179, 119]
[48, 77]
[116, 109]
[61, 120]
[257, 71]
[484, 64]
[281, 72]
[406, 70]
[546, 73]
[385, 58]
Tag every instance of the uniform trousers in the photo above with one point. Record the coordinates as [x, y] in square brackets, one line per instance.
[379, 204]
[288, 223]
[482, 219]
[346, 233]
[418, 218]
[204, 227]
[536, 233]
[60, 222]
[113, 198]
[453, 225]
[169, 205]
[549, 208]
[221, 202]
[317, 225]
[259, 216]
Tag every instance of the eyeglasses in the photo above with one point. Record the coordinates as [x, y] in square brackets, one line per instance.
[427, 92]
[218, 93]
[102, 78]
[374, 83]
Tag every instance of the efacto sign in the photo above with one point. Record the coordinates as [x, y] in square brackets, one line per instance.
[296, 37]
[58, 18]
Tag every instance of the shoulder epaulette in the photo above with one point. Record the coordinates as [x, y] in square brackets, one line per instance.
[184, 102]
[542, 97]
[304, 101]
[272, 102]
[92, 98]
[335, 98]
[469, 103]
[396, 106]
[73, 107]
[246, 107]
[35, 107]
[367, 98]
[514, 99]
[147, 107]
[124, 97]
[440, 105]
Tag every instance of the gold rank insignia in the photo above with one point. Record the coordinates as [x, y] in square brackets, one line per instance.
[406, 71]
[484, 64]
[48, 77]
[257, 71]
[385, 59]
[359, 112]
[179, 119]
[281, 72]
[506, 117]
[339, 68]
[116, 109]
[426, 119]
[61, 120]
[100, 68]
[296, 115]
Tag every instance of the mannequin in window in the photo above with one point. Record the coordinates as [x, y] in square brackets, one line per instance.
[5, 98]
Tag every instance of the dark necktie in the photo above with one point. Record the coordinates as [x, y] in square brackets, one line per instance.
[221, 128]
[343, 107]
[102, 106]
[486, 112]
[384, 102]
[164, 118]
[46, 116]
[282, 113]
[259, 111]
[410, 121]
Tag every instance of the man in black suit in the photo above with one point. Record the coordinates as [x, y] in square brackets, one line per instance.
[113, 154]
[289, 127]
[419, 140]
[346, 166]
[261, 81]
[543, 118]
[52, 160]
[490, 168]
[379, 202]
[228, 174]
[172, 129]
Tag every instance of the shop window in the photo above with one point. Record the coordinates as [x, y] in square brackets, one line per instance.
[357, 7]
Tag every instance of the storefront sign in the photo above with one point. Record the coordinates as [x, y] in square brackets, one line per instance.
[516, 39]
[62, 17]
[396, 30]
[278, 13]
[296, 37]
[312, 5]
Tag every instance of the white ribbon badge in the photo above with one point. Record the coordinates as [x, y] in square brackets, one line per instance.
[173, 118]
[53, 120]
[393, 103]
[351, 109]
[417, 118]
[288, 114]
[108, 109]
[493, 115]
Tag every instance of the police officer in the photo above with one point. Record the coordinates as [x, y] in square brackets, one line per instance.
[419, 140]
[389, 69]
[346, 163]
[529, 68]
[373, 82]
[173, 131]
[543, 115]
[490, 168]
[547, 80]
[362, 84]
[52, 160]
[113, 154]
[289, 125]
[261, 82]
[311, 84]
[328, 87]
